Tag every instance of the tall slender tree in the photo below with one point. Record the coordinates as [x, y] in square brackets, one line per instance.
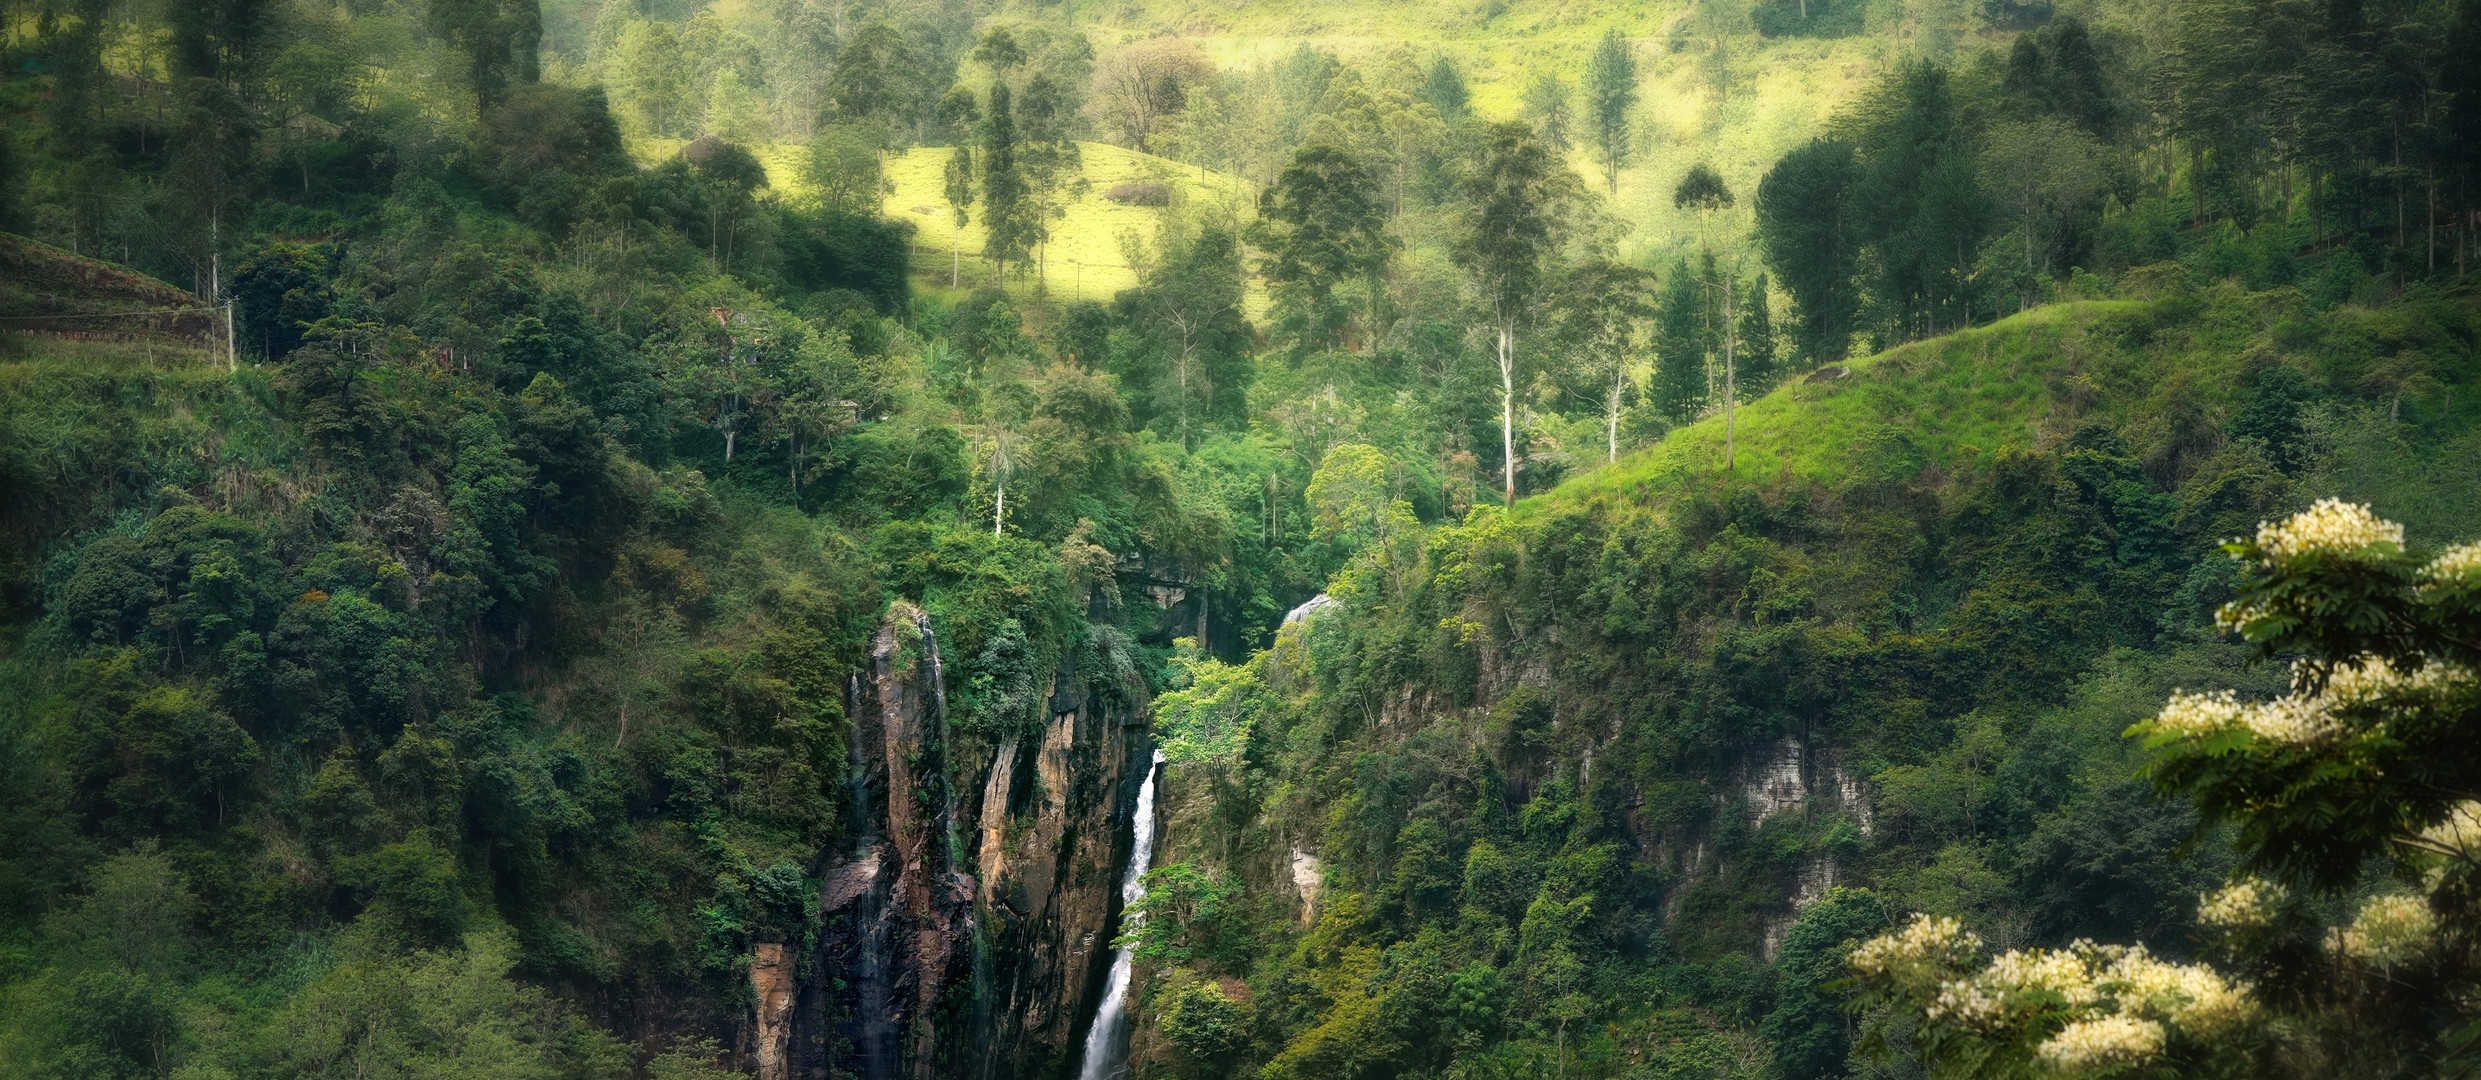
[1549, 107]
[1601, 311]
[1757, 338]
[1008, 226]
[1512, 197]
[958, 112]
[1053, 167]
[1610, 105]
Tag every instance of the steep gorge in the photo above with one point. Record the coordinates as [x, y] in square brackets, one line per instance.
[979, 954]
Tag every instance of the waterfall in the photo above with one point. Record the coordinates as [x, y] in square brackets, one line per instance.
[1110, 1020]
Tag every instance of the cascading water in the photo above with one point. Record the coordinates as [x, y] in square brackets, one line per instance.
[1102, 1041]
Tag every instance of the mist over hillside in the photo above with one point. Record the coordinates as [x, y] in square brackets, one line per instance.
[1737, 540]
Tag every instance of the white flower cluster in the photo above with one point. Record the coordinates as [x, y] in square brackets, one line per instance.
[2389, 930]
[2240, 904]
[2119, 999]
[2190, 995]
[2459, 563]
[1965, 1001]
[2304, 717]
[1925, 947]
[2068, 974]
[2102, 1042]
[2331, 526]
[2461, 831]
[2196, 715]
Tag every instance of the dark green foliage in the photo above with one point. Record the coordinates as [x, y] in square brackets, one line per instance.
[831, 250]
[1806, 225]
[1680, 343]
[155, 760]
[2057, 70]
[476, 667]
[1184, 356]
[1083, 334]
[500, 38]
[1809, 1034]
[1917, 204]
[1444, 88]
[2107, 864]
[877, 76]
[1755, 359]
[2273, 412]
[897, 472]
[1323, 225]
[1006, 213]
[1700, 188]
[211, 38]
[278, 293]
[545, 150]
[1808, 18]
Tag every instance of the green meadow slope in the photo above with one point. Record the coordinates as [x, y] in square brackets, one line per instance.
[1773, 93]
[2170, 375]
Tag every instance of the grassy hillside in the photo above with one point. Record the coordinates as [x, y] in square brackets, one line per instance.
[1959, 400]
[2163, 372]
[45, 288]
[1776, 92]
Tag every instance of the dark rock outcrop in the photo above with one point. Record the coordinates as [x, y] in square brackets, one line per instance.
[977, 957]
[1056, 816]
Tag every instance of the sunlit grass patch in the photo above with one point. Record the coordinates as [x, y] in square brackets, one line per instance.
[1957, 400]
[1086, 258]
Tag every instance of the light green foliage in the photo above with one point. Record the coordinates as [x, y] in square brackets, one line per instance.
[690, 1059]
[449, 1014]
[1207, 720]
[135, 919]
[841, 170]
[1186, 915]
[1351, 492]
[1550, 108]
[1204, 1023]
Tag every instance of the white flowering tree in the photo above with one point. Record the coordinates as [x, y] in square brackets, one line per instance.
[2354, 803]
[2031, 1012]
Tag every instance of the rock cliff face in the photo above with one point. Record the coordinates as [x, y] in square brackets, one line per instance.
[978, 956]
[1055, 834]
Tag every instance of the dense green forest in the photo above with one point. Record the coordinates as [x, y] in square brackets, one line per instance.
[1793, 540]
